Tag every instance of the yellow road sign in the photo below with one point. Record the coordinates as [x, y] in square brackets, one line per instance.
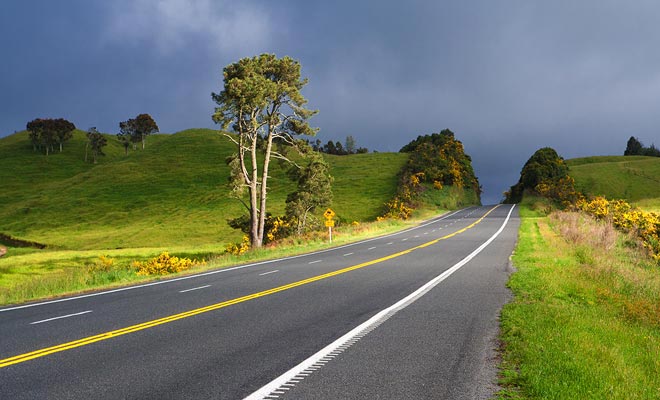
[329, 223]
[329, 214]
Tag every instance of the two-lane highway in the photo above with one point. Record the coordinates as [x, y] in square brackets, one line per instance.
[232, 332]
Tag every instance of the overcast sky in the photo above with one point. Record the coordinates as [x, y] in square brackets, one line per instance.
[508, 77]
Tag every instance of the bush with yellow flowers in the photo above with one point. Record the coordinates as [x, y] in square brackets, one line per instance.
[164, 264]
[238, 249]
[644, 225]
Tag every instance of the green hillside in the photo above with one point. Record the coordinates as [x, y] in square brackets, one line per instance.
[634, 178]
[171, 194]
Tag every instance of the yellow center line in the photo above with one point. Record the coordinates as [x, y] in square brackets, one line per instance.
[150, 324]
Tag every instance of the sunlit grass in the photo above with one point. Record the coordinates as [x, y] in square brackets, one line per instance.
[633, 178]
[44, 274]
[585, 321]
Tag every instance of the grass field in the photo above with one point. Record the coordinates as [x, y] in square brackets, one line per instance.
[171, 196]
[633, 178]
[585, 321]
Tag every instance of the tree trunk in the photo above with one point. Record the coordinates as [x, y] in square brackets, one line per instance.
[264, 186]
[143, 139]
[60, 147]
[255, 212]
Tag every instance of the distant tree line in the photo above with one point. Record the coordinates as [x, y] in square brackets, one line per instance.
[336, 148]
[636, 148]
[45, 134]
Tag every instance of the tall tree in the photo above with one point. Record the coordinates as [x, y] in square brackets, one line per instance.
[95, 142]
[261, 101]
[350, 145]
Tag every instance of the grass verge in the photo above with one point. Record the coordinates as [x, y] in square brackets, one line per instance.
[585, 319]
[32, 274]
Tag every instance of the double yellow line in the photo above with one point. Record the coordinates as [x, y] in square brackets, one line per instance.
[150, 324]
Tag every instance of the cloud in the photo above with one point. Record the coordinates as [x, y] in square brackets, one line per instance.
[170, 25]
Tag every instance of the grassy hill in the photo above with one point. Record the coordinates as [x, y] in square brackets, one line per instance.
[634, 178]
[172, 193]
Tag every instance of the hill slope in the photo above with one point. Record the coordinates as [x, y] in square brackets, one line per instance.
[172, 193]
[634, 178]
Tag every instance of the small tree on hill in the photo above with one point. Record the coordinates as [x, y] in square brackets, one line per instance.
[95, 142]
[314, 191]
[144, 126]
[136, 130]
[634, 147]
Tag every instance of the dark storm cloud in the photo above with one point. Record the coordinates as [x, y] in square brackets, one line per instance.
[507, 77]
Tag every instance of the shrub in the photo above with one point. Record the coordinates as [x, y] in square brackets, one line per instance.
[238, 248]
[164, 264]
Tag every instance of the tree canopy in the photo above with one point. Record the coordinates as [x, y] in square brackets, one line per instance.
[635, 148]
[544, 166]
[45, 133]
[440, 157]
[261, 101]
[136, 130]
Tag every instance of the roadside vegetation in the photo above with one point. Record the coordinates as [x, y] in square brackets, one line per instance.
[99, 215]
[72, 226]
[585, 319]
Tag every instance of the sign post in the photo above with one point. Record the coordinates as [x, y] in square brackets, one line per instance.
[329, 222]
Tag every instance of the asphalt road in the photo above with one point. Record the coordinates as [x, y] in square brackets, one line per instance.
[407, 316]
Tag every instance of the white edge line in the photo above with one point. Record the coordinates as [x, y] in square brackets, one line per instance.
[267, 389]
[60, 317]
[269, 272]
[218, 271]
[197, 288]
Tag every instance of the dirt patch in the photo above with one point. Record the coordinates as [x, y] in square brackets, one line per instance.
[3, 251]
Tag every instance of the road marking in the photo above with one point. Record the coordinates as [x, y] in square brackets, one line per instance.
[371, 248]
[314, 262]
[63, 316]
[20, 358]
[404, 239]
[197, 288]
[348, 254]
[297, 373]
[390, 243]
[222, 270]
[270, 272]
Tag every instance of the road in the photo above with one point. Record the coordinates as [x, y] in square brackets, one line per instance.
[405, 316]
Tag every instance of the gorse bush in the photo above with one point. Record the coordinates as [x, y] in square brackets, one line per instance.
[164, 264]
[238, 249]
[644, 225]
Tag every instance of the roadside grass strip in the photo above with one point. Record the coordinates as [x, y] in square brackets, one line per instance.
[156, 322]
[584, 320]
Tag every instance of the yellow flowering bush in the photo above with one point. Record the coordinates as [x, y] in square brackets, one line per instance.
[104, 264]
[238, 249]
[645, 225]
[164, 264]
[397, 209]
